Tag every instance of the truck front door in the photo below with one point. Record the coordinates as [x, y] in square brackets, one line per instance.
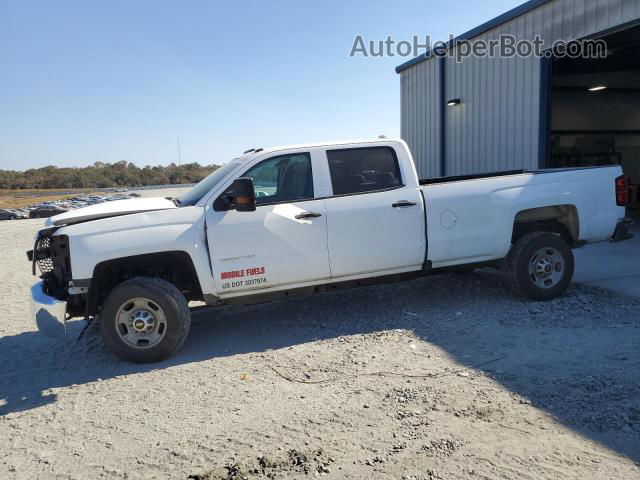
[284, 241]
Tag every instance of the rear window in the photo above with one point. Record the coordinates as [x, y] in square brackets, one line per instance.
[357, 170]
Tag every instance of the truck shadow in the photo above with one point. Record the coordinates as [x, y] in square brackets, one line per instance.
[575, 358]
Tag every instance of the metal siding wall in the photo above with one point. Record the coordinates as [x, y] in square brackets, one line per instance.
[420, 124]
[496, 125]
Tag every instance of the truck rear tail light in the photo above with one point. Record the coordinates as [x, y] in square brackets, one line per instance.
[622, 191]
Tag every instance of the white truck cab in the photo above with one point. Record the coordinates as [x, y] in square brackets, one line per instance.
[304, 219]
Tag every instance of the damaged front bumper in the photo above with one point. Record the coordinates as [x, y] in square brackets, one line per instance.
[49, 312]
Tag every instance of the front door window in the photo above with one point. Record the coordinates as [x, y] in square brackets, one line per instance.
[282, 179]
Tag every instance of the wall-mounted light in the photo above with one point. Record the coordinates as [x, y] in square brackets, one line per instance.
[453, 102]
[597, 88]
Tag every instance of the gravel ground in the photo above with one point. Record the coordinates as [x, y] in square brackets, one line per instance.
[440, 378]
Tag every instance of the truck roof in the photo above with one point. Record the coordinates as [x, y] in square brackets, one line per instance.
[260, 151]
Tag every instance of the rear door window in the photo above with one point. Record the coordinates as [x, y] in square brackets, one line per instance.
[359, 170]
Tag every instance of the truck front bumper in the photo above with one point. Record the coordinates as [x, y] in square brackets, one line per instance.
[50, 313]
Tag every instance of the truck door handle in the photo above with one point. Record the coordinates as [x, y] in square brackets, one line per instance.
[304, 215]
[403, 203]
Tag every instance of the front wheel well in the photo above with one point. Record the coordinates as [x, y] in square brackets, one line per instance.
[175, 267]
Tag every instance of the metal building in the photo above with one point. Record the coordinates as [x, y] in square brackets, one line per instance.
[533, 112]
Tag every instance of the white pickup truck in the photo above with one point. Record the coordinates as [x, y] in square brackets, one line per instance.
[306, 219]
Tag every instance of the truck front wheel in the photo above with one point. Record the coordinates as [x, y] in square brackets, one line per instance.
[145, 320]
[540, 265]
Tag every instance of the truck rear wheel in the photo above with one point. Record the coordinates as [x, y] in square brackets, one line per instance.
[540, 265]
[145, 320]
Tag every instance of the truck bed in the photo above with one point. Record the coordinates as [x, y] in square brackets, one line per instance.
[471, 218]
[503, 173]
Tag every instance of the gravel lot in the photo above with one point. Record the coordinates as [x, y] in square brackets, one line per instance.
[441, 378]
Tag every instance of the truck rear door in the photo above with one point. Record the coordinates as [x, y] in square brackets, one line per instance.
[375, 213]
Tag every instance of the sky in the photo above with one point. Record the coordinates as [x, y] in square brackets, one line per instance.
[88, 81]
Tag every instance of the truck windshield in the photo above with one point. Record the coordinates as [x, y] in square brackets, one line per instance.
[194, 195]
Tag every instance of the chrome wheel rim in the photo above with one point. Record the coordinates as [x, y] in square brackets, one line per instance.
[546, 267]
[140, 323]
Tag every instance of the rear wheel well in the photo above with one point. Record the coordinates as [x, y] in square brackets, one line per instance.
[560, 219]
[175, 267]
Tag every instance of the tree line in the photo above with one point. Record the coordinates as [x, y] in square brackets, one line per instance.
[104, 175]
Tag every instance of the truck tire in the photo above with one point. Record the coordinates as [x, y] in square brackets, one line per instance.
[145, 320]
[540, 265]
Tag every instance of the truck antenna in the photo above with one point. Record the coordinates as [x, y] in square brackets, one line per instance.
[179, 161]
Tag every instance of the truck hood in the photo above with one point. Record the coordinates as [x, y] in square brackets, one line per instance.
[110, 209]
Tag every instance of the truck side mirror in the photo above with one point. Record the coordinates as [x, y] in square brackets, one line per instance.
[239, 196]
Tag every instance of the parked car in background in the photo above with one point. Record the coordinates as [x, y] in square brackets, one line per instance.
[9, 214]
[54, 207]
[46, 211]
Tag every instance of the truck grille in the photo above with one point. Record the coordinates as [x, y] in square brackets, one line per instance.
[42, 255]
[51, 254]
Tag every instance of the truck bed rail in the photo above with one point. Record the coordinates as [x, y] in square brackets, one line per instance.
[458, 178]
[475, 176]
